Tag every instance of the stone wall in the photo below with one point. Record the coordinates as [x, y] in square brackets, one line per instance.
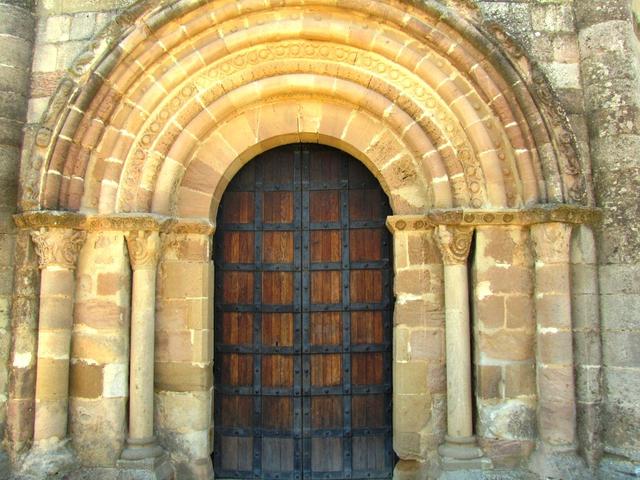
[418, 369]
[611, 77]
[576, 44]
[505, 329]
[184, 345]
[16, 44]
[63, 31]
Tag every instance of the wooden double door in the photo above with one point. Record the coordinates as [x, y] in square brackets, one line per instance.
[303, 312]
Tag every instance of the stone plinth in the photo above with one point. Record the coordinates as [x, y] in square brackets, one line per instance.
[148, 468]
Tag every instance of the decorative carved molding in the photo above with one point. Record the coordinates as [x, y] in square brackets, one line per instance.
[58, 246]
[572, 214]
[441, 124]
[53, 219]
[123, 223]
[454, 243]
[118, 223]
[552, 242]
[575, 215]
[562, 135]
[555, 116]
[178, 225]
[31, 178]
[144, 249]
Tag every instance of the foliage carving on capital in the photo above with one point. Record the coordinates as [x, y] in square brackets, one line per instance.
[144, 249]
[454, 243]
[58, 246]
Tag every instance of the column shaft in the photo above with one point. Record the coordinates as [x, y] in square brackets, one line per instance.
[57, 250]
[24, 324]
[458, 346]
[587, 340]
[142, 354]
[142, 451]
[54, 343]
[555, 455]
[460, 450]
[554, 358]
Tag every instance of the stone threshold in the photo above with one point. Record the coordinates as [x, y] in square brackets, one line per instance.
[515, 474]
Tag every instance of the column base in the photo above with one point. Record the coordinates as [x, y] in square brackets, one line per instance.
[144, 459]
[613, 467]
[410, 470]
[558, 462]
[157, 468]
[462, 453]
[5, 464]
[140, 449]
[48, 460]
[199, 469]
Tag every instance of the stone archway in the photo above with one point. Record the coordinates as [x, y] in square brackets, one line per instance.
[449, 114]
[144, 135]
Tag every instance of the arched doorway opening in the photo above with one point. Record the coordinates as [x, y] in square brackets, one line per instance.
[303, 318]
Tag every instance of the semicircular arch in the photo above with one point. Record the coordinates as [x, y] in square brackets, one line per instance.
[444, 102]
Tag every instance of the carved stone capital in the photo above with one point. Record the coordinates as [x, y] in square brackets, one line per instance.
[58, 246]
[144, 249]
[454, 243]
[552, 242]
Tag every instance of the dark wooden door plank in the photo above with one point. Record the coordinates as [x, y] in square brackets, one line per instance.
[303, 313]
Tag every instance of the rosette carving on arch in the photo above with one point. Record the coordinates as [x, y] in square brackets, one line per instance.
[58, 246]
[144, 249]
[454, 243]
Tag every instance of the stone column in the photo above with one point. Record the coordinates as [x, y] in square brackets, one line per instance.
[555, 454]
[17, 339]
[17, 353]
[99, 374]
[142, 457]
[24, 324]
[460, 450]
[57, 250]
[585, 306]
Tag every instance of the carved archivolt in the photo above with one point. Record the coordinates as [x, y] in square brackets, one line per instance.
[450, 142]
[135, 117]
